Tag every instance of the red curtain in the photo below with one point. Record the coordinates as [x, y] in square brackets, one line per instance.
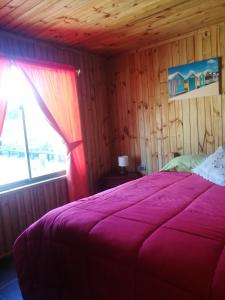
[3, 103]
[56, 93]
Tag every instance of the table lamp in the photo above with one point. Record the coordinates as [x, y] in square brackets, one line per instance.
[123, 163]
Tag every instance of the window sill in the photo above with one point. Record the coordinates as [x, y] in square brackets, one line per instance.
[29, 184]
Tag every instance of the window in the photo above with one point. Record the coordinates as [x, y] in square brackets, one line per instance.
[30, 149]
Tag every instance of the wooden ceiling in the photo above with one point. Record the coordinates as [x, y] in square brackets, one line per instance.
[108, 26]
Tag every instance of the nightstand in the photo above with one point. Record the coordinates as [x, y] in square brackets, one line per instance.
[114, 179]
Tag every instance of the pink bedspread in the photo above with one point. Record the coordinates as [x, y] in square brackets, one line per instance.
[160, 237]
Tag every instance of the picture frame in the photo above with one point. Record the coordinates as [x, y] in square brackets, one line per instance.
[198, 79]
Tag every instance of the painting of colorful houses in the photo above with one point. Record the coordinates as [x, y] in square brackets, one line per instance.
[194, 80]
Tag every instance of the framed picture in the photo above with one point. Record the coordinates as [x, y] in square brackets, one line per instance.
[197, 79]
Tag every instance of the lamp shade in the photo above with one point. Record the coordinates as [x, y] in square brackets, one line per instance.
[123, 161]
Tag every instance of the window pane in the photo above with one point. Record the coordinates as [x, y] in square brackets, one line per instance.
[47, 153]
[46, 148]
[13, 161]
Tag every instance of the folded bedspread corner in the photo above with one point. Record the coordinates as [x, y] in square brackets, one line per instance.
[159, 237]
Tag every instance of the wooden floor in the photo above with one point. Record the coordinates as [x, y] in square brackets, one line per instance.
[9, 288]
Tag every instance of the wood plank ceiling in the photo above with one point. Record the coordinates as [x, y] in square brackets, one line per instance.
[108, 26]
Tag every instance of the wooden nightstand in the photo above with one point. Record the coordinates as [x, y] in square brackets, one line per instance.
[114, 179]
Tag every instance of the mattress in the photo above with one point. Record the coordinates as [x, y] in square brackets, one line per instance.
[158, 237]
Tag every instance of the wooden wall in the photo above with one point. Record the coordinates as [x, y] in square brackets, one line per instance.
[147, 127]
[92, 95]
[21, 207]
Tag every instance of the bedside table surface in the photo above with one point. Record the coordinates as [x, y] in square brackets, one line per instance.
[129, 175]
[114, 179]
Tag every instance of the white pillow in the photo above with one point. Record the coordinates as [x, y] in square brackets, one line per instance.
[213, 167]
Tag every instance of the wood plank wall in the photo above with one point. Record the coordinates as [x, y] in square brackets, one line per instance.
[92, 95]
[21, 207]
[148, 128]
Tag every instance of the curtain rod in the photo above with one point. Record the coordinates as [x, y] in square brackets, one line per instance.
[39, 62]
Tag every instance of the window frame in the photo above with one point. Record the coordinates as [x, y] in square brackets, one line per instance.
[27, 182]
[31, 180]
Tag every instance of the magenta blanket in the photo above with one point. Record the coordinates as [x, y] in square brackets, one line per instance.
[160, 237]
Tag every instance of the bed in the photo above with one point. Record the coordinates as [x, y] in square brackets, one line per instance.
[159, 237]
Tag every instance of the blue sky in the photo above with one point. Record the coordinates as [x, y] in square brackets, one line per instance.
[212, 64]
